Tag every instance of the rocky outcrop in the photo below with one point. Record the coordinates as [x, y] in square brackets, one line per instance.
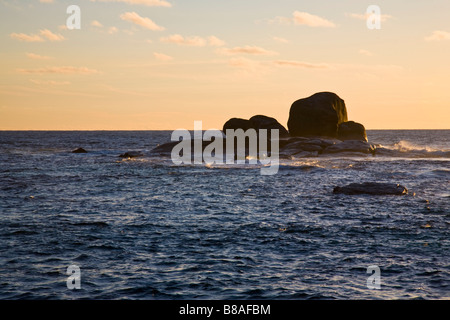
[351, 130]
[372, 188]
[317, 126]
[350, 146]
[256, 122]
[317, 115]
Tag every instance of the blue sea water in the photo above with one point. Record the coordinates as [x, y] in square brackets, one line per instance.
[144, 228]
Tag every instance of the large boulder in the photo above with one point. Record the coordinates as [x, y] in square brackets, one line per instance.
[372, 188]
[317, 115]
[351, 130]
[256, 122]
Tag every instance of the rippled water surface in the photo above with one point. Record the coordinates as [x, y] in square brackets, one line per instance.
[144, 228]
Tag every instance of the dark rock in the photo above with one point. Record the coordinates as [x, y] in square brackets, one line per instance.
[372, 188]
[165, 148]
[301, 144]
[237, 123]
[264, 122]
[317, 115]
[79, 150]
[351, 130]
[256, 122]
[131, 154]
[350, 146]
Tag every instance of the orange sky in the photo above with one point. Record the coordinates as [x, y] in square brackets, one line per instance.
[161, 65]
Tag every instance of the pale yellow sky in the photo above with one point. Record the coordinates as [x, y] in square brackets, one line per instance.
[161, 65]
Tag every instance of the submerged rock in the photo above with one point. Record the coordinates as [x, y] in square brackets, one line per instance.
[372, 188]
[131, 154]
[79, 150]
[317, 115]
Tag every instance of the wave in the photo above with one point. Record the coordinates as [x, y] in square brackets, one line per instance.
[405, 148]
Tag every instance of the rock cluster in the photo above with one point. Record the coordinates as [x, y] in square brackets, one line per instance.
[317, 125]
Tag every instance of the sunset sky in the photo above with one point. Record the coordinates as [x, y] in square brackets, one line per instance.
[161, 65]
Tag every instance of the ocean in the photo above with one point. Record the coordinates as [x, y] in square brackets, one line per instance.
[144, 228]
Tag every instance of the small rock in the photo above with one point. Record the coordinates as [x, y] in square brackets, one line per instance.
[372, 188]
[131, 154]
[79, 150]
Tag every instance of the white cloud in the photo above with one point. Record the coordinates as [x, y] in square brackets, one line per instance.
[112, 30]
[303, 18]
[365, 52]
[97, 24]
[146, 23]
[162, 56]
[359, 16]
[438, 35]
[251, 50]
[37, 56]
[150, 3]
[26, 37]
[51, 36]
[282, 40]
[215, 42]
[45, 33]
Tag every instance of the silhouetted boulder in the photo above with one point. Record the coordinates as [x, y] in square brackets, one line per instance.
[317, 115]
[256, 122]
[372, 188]
[237, 123]
[79, 150]
[264, 122]
[351, 130]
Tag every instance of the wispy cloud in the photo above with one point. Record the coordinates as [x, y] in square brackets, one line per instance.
[251, 50]
[51, 36]
[49, 82]
[438, 35]
[303, 18]
[194, 41]
[37, 56]
[162, 56]
[144, 22]
[365, 16]
[59, 70]
[96, 24]
[26, 37]
[112, 30]
[43, 34]
[365, 52]
[279, 39]
[215, 42]
[150, 3]
[301, 64]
